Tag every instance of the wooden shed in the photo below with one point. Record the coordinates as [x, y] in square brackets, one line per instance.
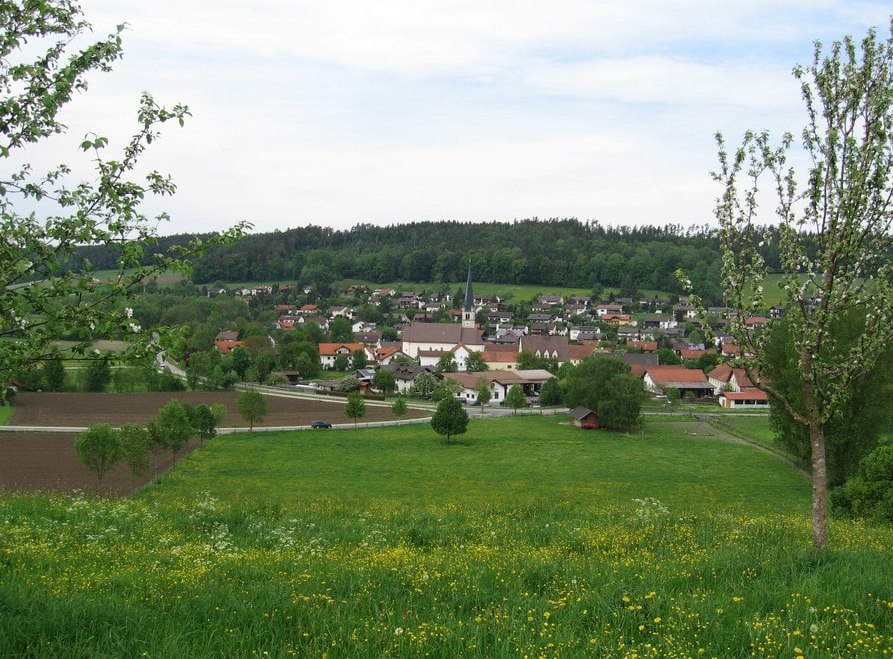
[583, 417]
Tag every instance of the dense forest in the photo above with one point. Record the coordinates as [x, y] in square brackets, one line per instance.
[555, 252]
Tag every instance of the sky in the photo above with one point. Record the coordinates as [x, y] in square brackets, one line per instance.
[341, 112]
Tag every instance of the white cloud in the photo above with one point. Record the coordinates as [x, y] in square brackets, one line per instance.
[343, 111]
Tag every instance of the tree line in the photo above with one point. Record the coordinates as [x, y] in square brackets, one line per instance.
[580, 254]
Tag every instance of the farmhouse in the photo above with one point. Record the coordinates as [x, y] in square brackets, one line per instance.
[328, 352]
[687, 381]
[226, 341]
[499, 383]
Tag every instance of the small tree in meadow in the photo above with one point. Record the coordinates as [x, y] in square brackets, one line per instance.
[99, 448]
[399, 408]
[450, 418]
[252, 406]
[551, 394]
[484, 395]
[136, 445]
[219, 411]
[173, 426]
[355, 407]
[515, 398]
[204, 422]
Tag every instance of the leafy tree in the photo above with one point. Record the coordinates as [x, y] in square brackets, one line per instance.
[136, 445]
[450, 418]
[47, 220]
[515, 398]
[446, 388]
[204, 422]
[341, 363]
[99, 448]
[239, 360]
[668, 357]
[348, 384]
[870, 494]
[172, 427]
[355, 407]
[219, 411]
[399, 408]
[358, 360]
[98, 374]
[528, 361]
[384, 381]
[424, 385]
[252, 406]
[446, 363]
[550, 393]
[54, 374]
[605, 385]
[475, 363]
[483, 395]
[340, 330]
[835, 238]
[867, 412]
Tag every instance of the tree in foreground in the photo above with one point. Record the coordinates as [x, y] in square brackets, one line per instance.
[172, 426]
[252, 406]
[99, 448]
[515, 398]
[475, 362]
[835, 238]
[46, 217]
[449, 419]
[355, 407]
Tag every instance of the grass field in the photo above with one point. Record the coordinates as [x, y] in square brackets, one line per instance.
[6, 414]
[527, 538]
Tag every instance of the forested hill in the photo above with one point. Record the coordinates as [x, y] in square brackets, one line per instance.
[563, 252]
[556, 252]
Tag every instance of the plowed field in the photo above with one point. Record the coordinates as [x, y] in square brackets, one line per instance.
[47, 460]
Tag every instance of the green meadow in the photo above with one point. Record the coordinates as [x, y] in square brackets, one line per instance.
[527, 537]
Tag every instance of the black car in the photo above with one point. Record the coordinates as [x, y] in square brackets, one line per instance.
[320, 424]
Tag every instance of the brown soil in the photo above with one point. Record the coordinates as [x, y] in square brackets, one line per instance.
[81, 409]
[47, 460]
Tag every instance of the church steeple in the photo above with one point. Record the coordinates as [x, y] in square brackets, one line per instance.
[468, 307]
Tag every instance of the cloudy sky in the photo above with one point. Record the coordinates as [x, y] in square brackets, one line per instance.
[341, 112]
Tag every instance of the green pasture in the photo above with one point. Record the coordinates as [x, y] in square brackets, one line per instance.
[6, 414]
[527, 537]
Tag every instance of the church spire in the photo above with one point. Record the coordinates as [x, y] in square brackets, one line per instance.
[468, 308]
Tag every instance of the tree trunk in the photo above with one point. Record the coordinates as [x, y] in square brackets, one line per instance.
[819, 487]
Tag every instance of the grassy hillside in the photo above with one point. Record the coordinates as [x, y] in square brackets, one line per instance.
[529, 538]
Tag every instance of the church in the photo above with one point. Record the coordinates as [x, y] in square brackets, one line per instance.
[427, 342]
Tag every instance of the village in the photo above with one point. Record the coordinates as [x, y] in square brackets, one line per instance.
[477, 340]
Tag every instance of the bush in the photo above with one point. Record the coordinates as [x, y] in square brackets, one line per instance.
[869, 494]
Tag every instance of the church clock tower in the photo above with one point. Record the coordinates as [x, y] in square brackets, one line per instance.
[468, 307]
